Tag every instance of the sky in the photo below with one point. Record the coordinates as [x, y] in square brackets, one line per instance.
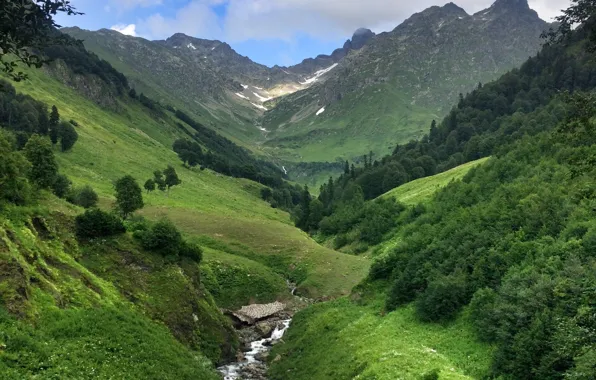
[271, 32]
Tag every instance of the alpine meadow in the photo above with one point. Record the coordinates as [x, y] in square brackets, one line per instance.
[419, 203]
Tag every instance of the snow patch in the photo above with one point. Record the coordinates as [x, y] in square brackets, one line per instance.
[320, 111]
[319, 74]
[284, 169]
[286, 72]
[261, 98]
[258, 88]
[213, 48]
[242, 96]
[245, 86]
[262, 129]
[191, 46]
[259, 106]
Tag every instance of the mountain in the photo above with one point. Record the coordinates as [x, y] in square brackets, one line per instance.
[390, 90]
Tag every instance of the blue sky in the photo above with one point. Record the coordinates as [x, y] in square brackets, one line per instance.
[270, 32]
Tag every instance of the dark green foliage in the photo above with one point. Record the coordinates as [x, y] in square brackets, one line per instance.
[171, 177]
[159, 180]
[68, 136]
[83, 196]
[164, 237]
[430, 375]
[96, 223]
[61, 186]
[14, 170]
[44, 168]
[129, 196]
[442, 299]
[514, 239]
[28, 27]
[54, 125]
[149, 185]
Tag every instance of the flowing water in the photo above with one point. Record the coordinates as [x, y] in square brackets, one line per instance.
[236, 370]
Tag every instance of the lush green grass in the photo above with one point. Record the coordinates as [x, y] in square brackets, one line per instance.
[422, 190]
[236, 281]
[346, 129]
[206, 203]
[344, 340]
[107, 343]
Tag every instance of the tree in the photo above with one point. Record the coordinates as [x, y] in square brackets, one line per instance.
[581, 12]
[96, 223]
[14, 168]
[159, 180]
[316, 209]
[54, 125]
[68, 136]
[61, 185]
[149, 185]
[43, 123]
[44, 168]
[129, 197]
[171, 179]
[346, 168]
[86, 197]
[27, 27]
[132, 93]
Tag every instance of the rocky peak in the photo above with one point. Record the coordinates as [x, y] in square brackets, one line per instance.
[515, 5]
[361, 37]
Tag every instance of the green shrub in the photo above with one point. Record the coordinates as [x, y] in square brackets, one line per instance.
[96, 223]
[340, 241]
[61, 186]
[431, 375]
[163, 237]
[83, 196]
[442, 299]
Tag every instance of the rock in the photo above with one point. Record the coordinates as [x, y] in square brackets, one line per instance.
[277, 358]
[253, 313]
[262, 356]
[265, 328]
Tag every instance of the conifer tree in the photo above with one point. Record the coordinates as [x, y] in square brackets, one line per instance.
[54, 125]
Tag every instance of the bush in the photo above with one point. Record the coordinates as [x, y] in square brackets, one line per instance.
[163, 237]
[340, 241]
[85, 197]
[442, 299]
[96, 223]
[61, 186]
[430, 375]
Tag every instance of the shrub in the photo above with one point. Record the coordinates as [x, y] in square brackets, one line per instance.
[61, 186]
[96, 223]
[340, 241]
[84, 196]
[430, 375]
[442, 299]
[163, 237]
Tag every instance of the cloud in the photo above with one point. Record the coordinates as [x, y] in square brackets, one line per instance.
[284, 19]
[127, 5]
[197, 18]
[129, 30]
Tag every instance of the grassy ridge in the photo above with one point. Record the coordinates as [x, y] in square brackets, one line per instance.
[364, 344]
[422, 190]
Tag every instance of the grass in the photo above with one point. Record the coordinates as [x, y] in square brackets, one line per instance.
[132, 142]
[346, 129]
[422, 190]
[360, 342]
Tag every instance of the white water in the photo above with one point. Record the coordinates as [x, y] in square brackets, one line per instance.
[234, 371]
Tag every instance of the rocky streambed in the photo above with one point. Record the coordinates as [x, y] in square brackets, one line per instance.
[257, 338]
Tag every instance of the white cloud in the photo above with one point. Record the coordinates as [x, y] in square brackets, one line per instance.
[197, 18]
[129, 30]
[127, 5]
[284, 19]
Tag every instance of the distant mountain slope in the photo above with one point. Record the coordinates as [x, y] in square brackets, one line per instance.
[389, 91]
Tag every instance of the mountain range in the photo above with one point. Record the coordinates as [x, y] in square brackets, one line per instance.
[370, 94]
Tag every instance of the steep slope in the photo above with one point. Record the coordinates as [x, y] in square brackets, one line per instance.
[177, 80]
[392, 88]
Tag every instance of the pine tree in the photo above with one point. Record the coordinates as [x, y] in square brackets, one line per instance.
[54, 125]
[347, 168]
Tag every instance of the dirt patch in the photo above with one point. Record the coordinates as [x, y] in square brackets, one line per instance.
[39, 225]
[16, 295]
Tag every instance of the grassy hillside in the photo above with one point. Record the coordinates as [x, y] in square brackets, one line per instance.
[223, 208]
[422, 190]
[69, 313]
[363, 343]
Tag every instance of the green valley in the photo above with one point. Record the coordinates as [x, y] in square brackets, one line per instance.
[419, 204]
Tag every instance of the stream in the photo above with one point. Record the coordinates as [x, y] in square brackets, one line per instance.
[253, 367]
